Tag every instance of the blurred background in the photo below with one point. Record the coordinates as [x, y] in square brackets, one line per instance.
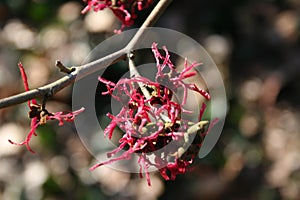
[256, 47]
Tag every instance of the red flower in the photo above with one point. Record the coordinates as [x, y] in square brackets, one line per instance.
[151, 119]
[125, 11]
[39, 115]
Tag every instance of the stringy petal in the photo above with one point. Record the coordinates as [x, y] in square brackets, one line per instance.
[151, 119]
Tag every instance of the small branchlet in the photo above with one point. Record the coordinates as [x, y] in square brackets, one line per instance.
[63, 68]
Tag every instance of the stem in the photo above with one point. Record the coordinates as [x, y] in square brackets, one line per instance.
[151, 19]
[135, 73]
[87, 69]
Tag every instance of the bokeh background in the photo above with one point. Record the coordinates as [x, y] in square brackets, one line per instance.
[255, 44]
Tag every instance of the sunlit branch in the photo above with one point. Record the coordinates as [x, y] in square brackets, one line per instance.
[86, 69]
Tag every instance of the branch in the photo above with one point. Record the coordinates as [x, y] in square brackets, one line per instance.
[87, 69]
[150, 21]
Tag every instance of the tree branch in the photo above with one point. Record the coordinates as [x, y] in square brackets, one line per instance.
[85, 70]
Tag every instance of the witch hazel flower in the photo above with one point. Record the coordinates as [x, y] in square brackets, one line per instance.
[151, 119]
[39, 115]
[125, 11]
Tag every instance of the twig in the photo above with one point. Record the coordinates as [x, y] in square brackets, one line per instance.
[85, 70]
[134, 73]
[63, 68]
[151, 19]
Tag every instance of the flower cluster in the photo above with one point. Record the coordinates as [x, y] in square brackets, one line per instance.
[151, 119]
[39, 115]
[125, 11]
